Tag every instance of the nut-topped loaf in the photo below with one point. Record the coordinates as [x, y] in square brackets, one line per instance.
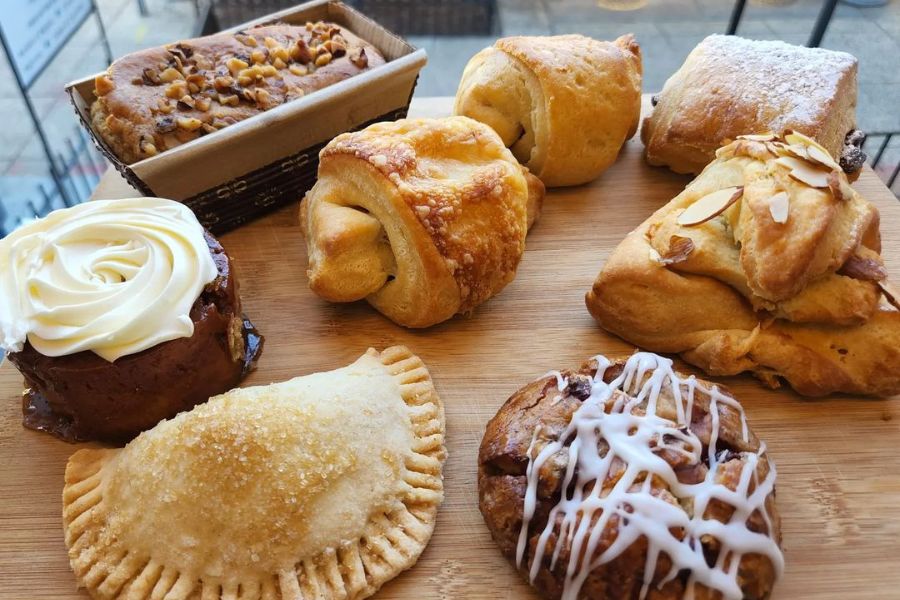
[153, 100]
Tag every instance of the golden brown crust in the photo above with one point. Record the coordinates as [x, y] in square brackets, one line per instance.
[542, 407]
[729, 86]
[425, 218]
[776, 299]
[268, 492]
[139, 105]
[563, 104]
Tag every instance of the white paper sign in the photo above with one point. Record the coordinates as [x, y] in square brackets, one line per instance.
[35, 30]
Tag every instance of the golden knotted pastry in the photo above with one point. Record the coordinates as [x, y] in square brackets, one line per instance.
[563, 104]
[767, 262]
[424, 218]
[324, 486]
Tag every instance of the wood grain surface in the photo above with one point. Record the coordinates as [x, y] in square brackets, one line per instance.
[837, 458]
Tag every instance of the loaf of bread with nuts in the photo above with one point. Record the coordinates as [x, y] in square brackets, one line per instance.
[153, 100]
[768, 262]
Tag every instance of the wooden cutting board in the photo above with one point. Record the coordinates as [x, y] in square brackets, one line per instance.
[838, 461]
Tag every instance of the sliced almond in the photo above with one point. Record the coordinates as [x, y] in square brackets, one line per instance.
[795, 137]
[804, 172]
[791, 162]
[751, 148]
[866, 269]
[679, 249]
[818, 155]
[797, 151]
[779, 207]
[709, 206]
[890, 294]
[811, 177]
[762, 137]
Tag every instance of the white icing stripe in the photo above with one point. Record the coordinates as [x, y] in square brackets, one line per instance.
[561, 382]
[634, 441]
[112, 276]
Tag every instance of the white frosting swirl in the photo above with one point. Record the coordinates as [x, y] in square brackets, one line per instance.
[111, 276]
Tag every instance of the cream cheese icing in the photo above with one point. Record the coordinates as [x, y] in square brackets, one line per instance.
[635, 437]
[111, 276]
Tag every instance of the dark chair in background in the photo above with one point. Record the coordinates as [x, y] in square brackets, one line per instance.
[406, 17]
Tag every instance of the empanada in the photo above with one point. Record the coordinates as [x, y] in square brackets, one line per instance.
[324, 486]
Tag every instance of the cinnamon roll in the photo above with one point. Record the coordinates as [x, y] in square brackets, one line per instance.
[625, 479]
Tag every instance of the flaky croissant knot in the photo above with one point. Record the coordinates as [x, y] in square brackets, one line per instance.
[564, 104]
[423, 218]
[767, 262]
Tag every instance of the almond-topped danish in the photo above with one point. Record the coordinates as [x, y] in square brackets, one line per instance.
[767, 262]
[324, 486]
[624, 479]
[423, 218]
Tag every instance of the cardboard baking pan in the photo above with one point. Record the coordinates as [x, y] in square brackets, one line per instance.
[240, 172]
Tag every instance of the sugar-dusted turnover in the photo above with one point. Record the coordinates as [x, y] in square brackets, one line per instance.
[324, 486]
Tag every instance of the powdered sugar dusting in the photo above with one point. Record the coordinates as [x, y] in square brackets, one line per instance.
[786, 85]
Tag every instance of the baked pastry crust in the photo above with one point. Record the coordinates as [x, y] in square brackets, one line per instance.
[324, 486]
[730, 86]
[564, 104]
[424, 218]
[548, 440]
[137, 112]
[799, 300]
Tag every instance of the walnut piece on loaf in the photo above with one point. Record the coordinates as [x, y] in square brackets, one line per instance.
[154, 100]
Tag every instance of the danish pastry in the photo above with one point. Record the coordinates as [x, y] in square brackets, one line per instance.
[564, 104]
[120, 313]
[730, 86]
[324, 486]
[424, 218]
[625, 479]
[767, 262]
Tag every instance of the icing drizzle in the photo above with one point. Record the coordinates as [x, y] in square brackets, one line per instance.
[636, 438]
